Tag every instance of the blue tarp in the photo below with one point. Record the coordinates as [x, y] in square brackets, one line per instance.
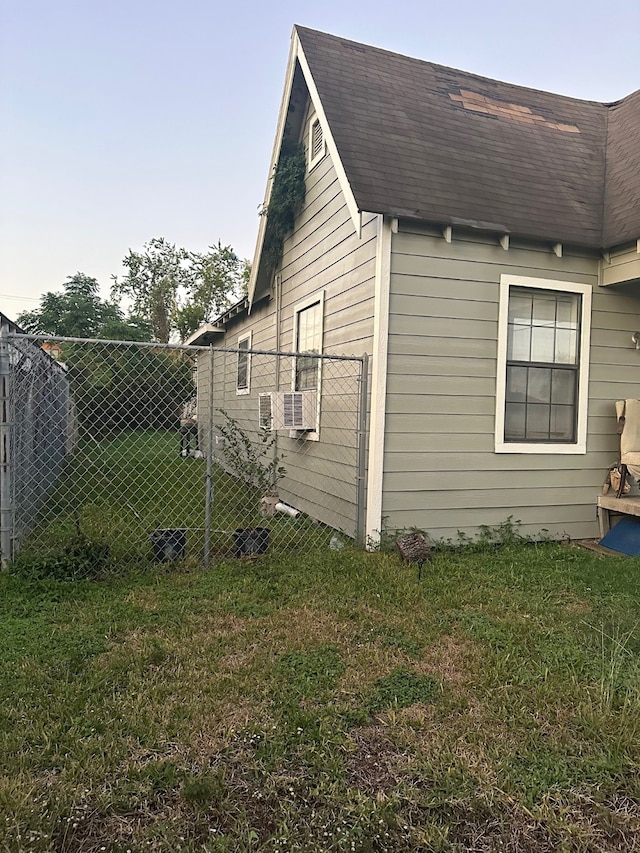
[624, 537]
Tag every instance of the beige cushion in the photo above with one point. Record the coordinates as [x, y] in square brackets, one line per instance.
[628, 416]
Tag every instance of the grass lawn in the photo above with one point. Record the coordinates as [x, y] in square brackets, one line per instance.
[325, 701]
[122, 488]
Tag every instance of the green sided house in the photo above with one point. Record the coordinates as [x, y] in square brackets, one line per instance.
[480, 241]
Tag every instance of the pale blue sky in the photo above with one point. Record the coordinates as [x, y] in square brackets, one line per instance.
[123, 121]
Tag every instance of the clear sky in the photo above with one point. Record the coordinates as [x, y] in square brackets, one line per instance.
[131, 119]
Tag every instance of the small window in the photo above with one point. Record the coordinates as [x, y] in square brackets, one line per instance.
[308, 340]
[307, 370]
[542, 366]
[243, 374]
[316, 143]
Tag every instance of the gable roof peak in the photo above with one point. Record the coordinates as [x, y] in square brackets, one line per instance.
[442, 145]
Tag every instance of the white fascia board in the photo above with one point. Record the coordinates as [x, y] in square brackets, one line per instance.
[296, 53]
[202, 331]
[345, 186]
[379, 381]
[282, 117]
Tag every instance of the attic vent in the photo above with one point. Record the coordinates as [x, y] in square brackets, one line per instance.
[316, 143]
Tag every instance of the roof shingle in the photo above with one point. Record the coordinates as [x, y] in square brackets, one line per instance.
[425, 141]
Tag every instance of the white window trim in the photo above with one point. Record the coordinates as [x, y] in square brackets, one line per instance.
[248, 336]
[316, 299]
[313, 161]
[585, 290]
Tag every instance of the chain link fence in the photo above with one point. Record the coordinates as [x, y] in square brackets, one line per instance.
[130, 452]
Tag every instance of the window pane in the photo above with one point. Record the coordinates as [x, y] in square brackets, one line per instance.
[520, 307]
[516, 391]
[544, 310]
[563, 387]
[514, 421]
[309, 329]
[519, 343]
[539, 385]
[537, 422]
[562, 423]
[243, 372]
[568, 311]
[309, 340]
[543, 340]
[566, 346]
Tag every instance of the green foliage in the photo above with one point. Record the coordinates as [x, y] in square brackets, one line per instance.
[256, 463]
[506, 533]
[311, 671]
[204, 789]
[79, 312]
[218, 277]
[122, 388]
[287, 195]
[77, 558]
[402, 688]
[177, 290]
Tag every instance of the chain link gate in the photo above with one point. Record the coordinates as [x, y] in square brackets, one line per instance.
[151, 451]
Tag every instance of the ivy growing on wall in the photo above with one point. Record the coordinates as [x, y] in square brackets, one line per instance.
[287, 195]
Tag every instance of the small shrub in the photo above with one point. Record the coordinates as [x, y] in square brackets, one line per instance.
[79, 558]
[254, 462]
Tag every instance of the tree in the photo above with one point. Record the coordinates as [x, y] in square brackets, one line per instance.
[219, 277]
[177, 290]
[79, 312]
[118, 388]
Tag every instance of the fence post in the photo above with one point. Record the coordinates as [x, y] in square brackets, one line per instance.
[5, 452]
[362, 451]
[209, 479]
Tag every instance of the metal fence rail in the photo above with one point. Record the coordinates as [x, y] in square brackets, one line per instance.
[151, 451]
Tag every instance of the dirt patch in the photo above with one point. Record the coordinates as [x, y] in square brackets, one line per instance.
[451, 659]
[374, 763]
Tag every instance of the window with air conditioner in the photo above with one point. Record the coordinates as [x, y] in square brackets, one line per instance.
[543, 366]
[307, 368]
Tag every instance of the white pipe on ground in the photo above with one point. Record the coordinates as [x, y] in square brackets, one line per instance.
[287, 510]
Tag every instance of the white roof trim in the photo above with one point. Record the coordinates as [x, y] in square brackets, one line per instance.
[345, 186]
[206, 329]
[296, 53]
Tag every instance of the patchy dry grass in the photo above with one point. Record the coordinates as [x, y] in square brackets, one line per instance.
[325, 703]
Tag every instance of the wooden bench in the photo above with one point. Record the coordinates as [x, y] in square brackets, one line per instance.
[607, 504]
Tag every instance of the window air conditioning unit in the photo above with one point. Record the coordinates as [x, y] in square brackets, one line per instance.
[287, 410]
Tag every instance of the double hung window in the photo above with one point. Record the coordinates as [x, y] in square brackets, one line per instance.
[243, 373]
[542, 366]
[307, 368]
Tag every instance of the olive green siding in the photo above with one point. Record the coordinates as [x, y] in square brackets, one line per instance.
[441, 472]
[324, 255]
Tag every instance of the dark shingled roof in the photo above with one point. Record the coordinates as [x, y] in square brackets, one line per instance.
[423, 141]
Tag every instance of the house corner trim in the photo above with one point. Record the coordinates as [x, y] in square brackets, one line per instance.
[378, 381]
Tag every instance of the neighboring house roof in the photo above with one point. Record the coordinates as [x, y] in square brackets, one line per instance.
[423, 141]
[10, 325]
